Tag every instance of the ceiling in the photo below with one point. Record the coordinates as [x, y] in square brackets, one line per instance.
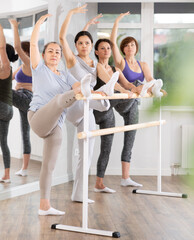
[21, 7]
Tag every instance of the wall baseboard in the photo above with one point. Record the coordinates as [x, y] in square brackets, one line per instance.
[36, 158]
[14, 154]
[136, 172]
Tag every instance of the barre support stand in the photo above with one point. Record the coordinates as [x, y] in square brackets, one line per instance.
[159, 175]
[84, 228]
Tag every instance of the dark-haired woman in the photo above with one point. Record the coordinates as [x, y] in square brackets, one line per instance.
[126, 108]
[79, 66]
[7, 55]
[22, 95]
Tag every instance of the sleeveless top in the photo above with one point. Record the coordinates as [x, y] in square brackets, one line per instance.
[80, 69]
[20, 77]
[100, 83]
[6, 90]
[132, 76]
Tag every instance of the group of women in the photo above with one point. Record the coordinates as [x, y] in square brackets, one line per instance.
[54, 100]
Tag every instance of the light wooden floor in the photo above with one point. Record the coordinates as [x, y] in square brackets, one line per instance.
[135, 216]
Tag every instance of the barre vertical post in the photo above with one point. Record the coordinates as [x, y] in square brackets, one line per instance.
[159, 176]
[85, 166]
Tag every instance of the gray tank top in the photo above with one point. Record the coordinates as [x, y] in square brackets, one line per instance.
[80, 69]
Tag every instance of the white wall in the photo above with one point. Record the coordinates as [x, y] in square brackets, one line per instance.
[145, 151]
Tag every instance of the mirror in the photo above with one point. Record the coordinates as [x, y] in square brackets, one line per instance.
[25, 12]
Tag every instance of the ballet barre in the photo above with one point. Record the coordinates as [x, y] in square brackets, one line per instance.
[85, 136]
[107, 131]
[97, 96]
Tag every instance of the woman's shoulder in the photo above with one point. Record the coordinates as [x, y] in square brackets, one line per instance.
[40, 65]
[142, 64]
[5, 73]
[123, 64]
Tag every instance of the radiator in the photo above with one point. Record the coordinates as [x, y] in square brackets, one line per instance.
[187, 146]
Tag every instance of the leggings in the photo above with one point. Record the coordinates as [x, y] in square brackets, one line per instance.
[44, 122]
[21, 100]
[6, 114]
[129, 111]
[104, 120]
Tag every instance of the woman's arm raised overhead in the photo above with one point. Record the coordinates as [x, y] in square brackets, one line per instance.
[34, 50]
[118, 58]
[4, 63]
[92, 21]
[67, 52]
[17, 44]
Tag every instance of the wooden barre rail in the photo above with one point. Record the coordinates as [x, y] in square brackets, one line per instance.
[95, 133]
[98, 96]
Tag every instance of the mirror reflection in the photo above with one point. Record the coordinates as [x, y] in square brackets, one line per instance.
[24, 147]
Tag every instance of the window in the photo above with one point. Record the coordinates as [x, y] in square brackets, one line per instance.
[173, 43]
[174, 13]
[110, 12]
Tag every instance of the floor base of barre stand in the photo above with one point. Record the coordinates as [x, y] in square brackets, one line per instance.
[167, 194]
[87, 230]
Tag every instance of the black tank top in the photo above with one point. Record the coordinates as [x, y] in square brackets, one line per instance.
[100, 83]
[6, 90]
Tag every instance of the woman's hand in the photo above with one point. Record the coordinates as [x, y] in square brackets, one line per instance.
[137, 89]
[130, 94]
[122, 15]
[43, 18]
[76, 87]
[93, 21]
[101, 93]
[81, 9]
[164, 92]
[14, 23]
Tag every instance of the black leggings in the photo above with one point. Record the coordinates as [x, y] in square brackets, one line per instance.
[21, 100]
[6, 114]
[129, 111]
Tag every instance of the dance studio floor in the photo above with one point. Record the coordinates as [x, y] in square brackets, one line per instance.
[135, 216]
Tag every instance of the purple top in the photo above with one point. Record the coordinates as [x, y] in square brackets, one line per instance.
[132, 76]
[20, 77]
